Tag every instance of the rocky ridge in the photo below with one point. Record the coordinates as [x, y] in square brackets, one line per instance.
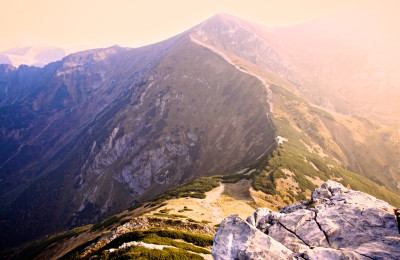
[337, 223]
[102, 130]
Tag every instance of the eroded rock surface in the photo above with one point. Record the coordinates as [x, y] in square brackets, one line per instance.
[338, 223]
[237, 239]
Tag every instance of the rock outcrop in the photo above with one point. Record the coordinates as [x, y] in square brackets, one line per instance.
[337, 223]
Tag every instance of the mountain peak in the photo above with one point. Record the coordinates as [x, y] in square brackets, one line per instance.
[224, 16]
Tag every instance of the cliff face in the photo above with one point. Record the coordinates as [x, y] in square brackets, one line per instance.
[337, 223]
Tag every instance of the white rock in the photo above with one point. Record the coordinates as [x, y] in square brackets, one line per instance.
[320, 253]
[294, 207]
[237, 239]
[346, 224]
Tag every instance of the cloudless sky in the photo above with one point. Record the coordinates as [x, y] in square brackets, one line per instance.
[77, 24]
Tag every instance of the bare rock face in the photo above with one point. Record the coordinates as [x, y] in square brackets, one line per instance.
[343, 224]
[237, 239]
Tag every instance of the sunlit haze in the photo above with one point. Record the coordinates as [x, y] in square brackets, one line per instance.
[77, 24]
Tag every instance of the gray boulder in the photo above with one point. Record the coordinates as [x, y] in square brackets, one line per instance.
[338, 223]
[321, 253]
[237, 239]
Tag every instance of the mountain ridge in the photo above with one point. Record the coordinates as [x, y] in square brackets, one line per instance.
[139, 139]
[118, 126]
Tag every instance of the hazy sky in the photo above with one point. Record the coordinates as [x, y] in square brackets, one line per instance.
[102, 23]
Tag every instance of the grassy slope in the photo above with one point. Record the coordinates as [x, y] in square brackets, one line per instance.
[196, 206]
[338, 145]
[201, 204]
[306, 159]
[362, 146]
[71, 244]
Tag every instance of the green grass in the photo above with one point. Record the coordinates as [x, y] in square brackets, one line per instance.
[107, 223]
[195, 239]
[193, 220]
[135, 207]
[173, 216]
[155, 239]
[38, 247]
[262, 182]
[195, 189]
[287, 94]
[185, 208]
[321, 112]
[137, 252]
[166, 211]
[74, 254]
[234, 178]
[294, 156]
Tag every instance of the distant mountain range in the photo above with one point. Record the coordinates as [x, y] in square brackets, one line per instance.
[31, 56]
[102, 130]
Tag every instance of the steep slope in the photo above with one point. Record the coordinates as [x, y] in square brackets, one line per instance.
[102, 130]
[255, 44]
[355, 143]
[44, 109]
[373, 149]
[343, 64]
[144, 121]
[310, 136]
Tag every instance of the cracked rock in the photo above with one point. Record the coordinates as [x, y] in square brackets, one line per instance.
[237, 239]
[346, 224]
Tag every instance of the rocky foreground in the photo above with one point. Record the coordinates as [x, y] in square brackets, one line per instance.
[337, 223]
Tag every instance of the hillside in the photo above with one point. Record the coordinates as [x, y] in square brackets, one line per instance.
[104, 130]
[197, 207]
[359, 144]
[112, 127]
[285, 176]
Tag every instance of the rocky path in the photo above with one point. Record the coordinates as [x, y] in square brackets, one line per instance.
[211, 202]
